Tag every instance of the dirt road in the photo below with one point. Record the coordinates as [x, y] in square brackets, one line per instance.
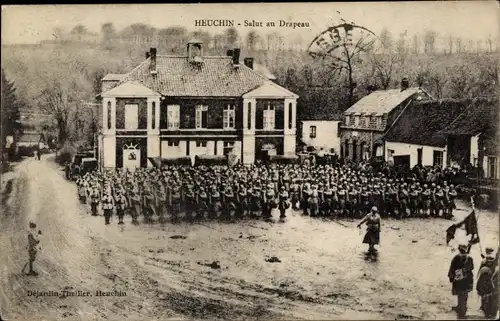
[215, 270]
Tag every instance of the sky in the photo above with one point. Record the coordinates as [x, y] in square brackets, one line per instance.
[467, 19]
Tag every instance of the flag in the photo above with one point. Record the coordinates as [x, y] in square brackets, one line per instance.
[450, 233]
[471, 224]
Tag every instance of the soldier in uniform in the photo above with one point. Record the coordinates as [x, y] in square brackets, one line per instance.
[241, 200]
[439, 201]
[148, 202]
[203, 203]
[314, 201]
[175, 199]
[269, 201]
[94, 200]
[452, 195]
[33, 242]
[413, 195]
[426, 200]
[82, 190]
[284, 203]
[189, 200]
[306, 196]
[107, 206]
[161, 199]
[215, 202]
[366, 203]
[256, 200]
[229, 204]
[295, 194]
[342, 195]
[353, 203]
[136, 204]
[121, 204]
[403, 200]
[328, 200]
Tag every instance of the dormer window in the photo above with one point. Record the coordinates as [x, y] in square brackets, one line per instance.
[356, 121]
[347, 119]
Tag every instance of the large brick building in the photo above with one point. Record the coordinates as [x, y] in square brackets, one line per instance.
[174, 106]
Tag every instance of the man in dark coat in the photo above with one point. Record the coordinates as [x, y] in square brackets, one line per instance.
[461, 276]
[485, 285]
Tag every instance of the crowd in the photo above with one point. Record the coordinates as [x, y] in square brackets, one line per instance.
[339, 190]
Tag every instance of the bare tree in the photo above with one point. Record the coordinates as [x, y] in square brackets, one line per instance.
[383, 68]
[386, 40]
[430, 42]
[231, 35]
[251, 40]
[450, 41]
[416, 44]
[340, 52]
[459, 45]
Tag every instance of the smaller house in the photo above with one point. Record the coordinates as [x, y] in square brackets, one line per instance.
[415, 138]
[366, 122]
[323, 134]
[473, 137]
[31, 139]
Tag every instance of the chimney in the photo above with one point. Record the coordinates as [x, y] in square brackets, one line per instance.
[229, 53]
[404, 84]
[152, 55]
[248, 62]
[236, 57]
[147, 54]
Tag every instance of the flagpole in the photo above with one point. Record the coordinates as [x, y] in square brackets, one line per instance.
[477, 225]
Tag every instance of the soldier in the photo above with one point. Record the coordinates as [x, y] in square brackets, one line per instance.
[403, 200]
[215, 202]
[136, 204]
[161, 199]
[229, 204]
[189, 200]
[82, 190]
[107, 206]
[241, 199]
[314, 201]
[366, 203]
[203, 203]
[175, 198]
[439, 202]
[413, 204]
[295, 194]
[452, 195]
[284, 204]
[342, 195]
[121, 204]
[426, 201]
[148, 201]
[328, 200]
[306, 195]
[268, 201]
[353, 202]
[33, 242]
[94, 200]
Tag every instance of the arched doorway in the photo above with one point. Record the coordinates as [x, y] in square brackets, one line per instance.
[354, 150]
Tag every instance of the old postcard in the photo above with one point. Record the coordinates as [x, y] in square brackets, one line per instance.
[272, 161]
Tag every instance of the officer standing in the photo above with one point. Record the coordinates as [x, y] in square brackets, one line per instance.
[460, 275]
[121, 204]
[107, 206]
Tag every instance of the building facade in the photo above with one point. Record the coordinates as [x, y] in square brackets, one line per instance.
[415, 138]
[366, 122]
[321, 134]
[177, 106]
[473, 137]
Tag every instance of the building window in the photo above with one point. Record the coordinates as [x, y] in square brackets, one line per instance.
[312, 132]
[347, 120]
[173, 116]
[269, 117]
[290, 116]
[109, 114]
[362, 121]
[492, 167]
[356, 121]
[131, 116]
[249, 116]
[201, 116]
[153, 115]
[351, 121]
[228, 117]
[379, 121]
[201, 144]
[173, 143]
[438, 158]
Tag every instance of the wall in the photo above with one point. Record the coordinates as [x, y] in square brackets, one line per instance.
[351, 141]
[214, 147]
[410, 149]
[187, 109]
[120, 111]
[474, 149]
[261, 141]
[327, 134]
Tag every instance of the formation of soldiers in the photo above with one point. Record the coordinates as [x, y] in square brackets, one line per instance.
[221, 191]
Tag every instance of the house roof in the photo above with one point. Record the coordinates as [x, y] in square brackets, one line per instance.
[421, 122]
[130, 89]
[115, 77]
[381, 101]
[216, 77]
[270, 90]
[480, 116]
[30, 138]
